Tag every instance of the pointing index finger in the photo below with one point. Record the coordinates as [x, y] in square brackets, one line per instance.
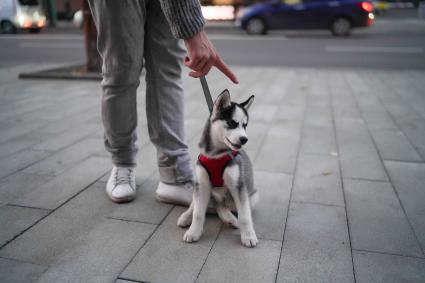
[219, 64]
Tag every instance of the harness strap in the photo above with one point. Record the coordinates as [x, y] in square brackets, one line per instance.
[216, 166]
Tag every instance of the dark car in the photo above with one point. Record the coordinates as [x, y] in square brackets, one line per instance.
[339, 16]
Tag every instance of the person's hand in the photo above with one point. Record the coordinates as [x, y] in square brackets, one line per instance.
[202, 56]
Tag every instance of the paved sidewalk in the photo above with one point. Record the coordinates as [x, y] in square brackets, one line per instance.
[339, 159]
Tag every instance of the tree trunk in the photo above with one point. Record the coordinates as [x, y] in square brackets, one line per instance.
[93, 63]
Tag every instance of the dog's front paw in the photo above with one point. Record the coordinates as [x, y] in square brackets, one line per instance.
[192, 236]
[184, 220]
[249, 239]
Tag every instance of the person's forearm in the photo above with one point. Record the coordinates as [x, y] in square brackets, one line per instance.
[186, 22]
[184, 16]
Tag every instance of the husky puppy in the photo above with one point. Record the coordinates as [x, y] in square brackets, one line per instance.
[222, 168]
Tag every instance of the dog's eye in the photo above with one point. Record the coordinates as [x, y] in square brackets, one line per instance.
[244, 125]
[232, 124]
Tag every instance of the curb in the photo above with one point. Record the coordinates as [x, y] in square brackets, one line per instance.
[74, 72]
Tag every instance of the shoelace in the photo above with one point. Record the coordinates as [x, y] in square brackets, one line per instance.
[123, 176]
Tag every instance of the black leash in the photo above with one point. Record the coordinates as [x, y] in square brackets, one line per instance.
[207, 93]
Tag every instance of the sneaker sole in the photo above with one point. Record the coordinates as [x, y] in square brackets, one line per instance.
[171, 201]
[254, 198]
[121, 200]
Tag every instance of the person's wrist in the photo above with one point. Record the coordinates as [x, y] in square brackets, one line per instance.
[195, 38]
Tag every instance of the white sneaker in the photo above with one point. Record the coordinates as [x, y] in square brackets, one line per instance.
[175, 194]
[182, 195]
[121, 186]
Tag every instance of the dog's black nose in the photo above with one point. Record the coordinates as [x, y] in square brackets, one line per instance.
[243, 140]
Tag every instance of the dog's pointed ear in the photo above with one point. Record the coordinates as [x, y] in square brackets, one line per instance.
[246, 104]
[222, 101]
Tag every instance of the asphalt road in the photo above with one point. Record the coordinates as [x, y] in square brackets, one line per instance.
[390, 43]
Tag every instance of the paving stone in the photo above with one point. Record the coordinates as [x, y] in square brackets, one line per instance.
[166, 258]
[385, 268]
[358, 156]
[63, 187]
[287, 100]
[145, 208]
[241, 264]
[15, 127]
[411, 124]
[343, 104]
[279, 150]
[73, 108]
[68, 226]
[20, 184]
[274, 90]
[193, 129]
[408, 120]
[9, 74]
[67, 138]
[393, 145]
[317, 180]
[318, 110]
[102, 254]
[280, 145]
[318, 134]
[14, 220]
[62, 230]
[58, 127]
[24, 106]
[20, 160]
[19, 272]
[390, 140]
[270, 214]
[370, 106]
[316, 246]
[291, 111]
[408, 89]
[318, 139]
[256, 132]
[377, 221]
[409, 180]
[22, 142]
[263, 112]
[64, 159]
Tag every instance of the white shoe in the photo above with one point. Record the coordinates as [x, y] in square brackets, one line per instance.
[182, 195]
[175, 194]
[121, 186]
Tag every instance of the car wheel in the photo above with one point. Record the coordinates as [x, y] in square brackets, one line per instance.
[341, 27]
[7, 27]
[256, 26]
[35, 30]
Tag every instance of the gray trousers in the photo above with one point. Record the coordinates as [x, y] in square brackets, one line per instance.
[131, 32]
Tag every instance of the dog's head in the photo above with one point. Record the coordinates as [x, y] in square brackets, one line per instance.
[229, 120]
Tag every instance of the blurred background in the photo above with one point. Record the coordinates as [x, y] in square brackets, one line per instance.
[338, 146]
[299, 33]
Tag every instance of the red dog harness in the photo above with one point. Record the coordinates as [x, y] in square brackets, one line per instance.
[215, 167]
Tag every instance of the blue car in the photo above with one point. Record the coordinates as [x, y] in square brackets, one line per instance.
[339, 16]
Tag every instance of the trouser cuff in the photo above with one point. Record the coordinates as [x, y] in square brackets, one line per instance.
[175, 170]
